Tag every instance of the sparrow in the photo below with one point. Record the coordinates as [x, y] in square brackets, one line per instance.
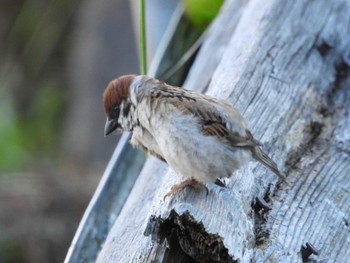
[201, 138]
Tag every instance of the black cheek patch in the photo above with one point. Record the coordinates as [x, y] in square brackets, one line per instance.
[126, 109]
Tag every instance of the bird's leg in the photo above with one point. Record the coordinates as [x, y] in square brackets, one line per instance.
[192, 182]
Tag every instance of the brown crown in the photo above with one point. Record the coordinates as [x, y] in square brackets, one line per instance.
[116, 91]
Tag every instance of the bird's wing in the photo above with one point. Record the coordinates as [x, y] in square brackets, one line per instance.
[216, 117]
[220, 119]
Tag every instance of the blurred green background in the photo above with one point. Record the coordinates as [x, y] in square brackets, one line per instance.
[55, 59]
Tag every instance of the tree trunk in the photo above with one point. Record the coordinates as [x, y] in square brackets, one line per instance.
[285, 66]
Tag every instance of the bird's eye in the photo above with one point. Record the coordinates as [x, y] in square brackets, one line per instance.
[116, 109]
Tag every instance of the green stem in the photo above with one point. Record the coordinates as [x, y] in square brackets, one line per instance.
[143, 51]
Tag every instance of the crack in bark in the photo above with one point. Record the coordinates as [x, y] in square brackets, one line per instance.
[342, 74]
[327, 109]
[260, 217]
[324, 47]
[184, 233]
[313, 130]
[260, 212]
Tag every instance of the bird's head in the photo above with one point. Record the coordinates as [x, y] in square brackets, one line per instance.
[117, 104]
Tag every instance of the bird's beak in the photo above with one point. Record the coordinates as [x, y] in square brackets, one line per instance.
[110, 126]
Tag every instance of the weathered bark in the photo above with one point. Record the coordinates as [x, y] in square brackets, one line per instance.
[285, 66]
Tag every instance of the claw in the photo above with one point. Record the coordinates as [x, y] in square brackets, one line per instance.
[189, 182]
[219, 183]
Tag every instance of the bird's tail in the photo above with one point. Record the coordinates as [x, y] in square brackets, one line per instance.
[262, 157]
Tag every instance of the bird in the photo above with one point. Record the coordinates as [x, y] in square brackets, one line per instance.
[202, 138]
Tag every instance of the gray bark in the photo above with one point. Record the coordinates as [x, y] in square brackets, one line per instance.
[285, 66]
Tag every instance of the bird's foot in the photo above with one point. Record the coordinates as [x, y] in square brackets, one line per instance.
[191, 182]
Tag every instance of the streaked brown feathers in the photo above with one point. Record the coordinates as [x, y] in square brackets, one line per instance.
[211, 121]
